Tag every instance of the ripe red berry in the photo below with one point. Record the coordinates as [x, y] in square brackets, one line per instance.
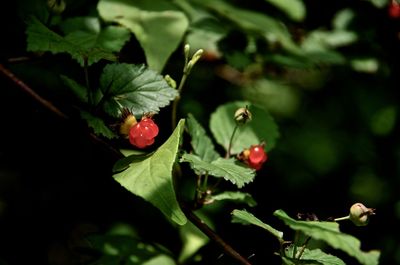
[142, 134]
[255, 156]
[394, 9]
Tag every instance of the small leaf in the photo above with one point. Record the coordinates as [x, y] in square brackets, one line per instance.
[151, 178]
[330, 233]
[134, 87]
[159, 30]
[201, 143]
[229, 169]
[246, 218]
[261, 128]
[295, 9]
[315, 256]
[160, 260]
[235, 196]
[80, 45]
[97, 125]
[77, 89]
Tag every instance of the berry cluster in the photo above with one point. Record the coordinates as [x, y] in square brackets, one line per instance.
[142, 134]
[255, 156]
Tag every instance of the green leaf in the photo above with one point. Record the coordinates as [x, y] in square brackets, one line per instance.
[253, 22]
[134, 87]
[118, 249]
[77, 89]
[329, 232]
[98, 125]
[295, 9]
[261, 128]
[246, 218]
[235, 196]
[201, 143]
[158, 30]
[80, 45]
[229, 169]
[192, 239]
[315, 256]
[151, 178]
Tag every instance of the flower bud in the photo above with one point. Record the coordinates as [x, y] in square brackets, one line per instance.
[128, 121]
[56, 6]
[242, 115]
[170, 81]
[359, 214]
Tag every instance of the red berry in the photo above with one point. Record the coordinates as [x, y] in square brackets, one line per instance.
[142, 134]
[394, 9]
[255, 156]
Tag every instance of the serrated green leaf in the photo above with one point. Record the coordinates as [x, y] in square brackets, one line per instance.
[246, 218]
[314, 256]
[134, 87]
[77, 89]
[80, 45]
[329, 232]
[229, 169]
[124, 163]
[235, 196]
[295, 9]
[98, 125]
[158, 30]
[201, 143]
[261, 128]
[151, 178]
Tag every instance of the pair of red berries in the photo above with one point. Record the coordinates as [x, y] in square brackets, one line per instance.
[141, 134]
[254, 157]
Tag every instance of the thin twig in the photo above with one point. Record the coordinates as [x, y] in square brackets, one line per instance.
[213, 236]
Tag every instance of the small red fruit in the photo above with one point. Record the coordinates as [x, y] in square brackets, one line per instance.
[142, 134]
[394, 9]
[255, 156]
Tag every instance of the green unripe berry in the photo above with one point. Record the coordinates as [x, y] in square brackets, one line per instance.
[359, 214]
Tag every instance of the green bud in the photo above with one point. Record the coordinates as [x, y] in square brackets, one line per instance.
[242, 115]
[56, 6]
[359, 214]
[171, 82]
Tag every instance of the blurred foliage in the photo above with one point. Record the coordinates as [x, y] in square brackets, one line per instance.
[328, 73]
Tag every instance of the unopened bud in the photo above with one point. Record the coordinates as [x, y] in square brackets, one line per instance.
[359, 214]
[170, 81]
[56, 6]
[242, 115]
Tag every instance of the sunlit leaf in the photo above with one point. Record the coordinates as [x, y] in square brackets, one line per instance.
[246, 218]
[329, 232]
[151, 178]
[134, 87]
[309, 257]
[295, 9]
[229, 169]
[235, 196]
[201, 143]
[261, 128]
[158, 27]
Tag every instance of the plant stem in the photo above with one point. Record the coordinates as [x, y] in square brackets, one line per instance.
[228, 152]
[303, 248]
[86, 72]
[342, 218]
[213, 236]
[177, 99]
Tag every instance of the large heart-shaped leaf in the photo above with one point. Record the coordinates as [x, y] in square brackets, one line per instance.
[134, 87]
[151, 177]
[159, 27]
